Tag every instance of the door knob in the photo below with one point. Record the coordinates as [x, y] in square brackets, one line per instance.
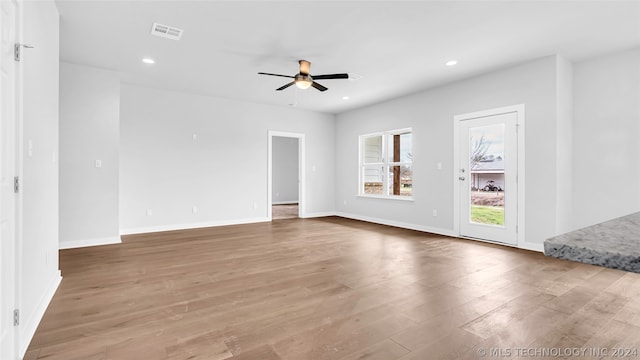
[461, 178]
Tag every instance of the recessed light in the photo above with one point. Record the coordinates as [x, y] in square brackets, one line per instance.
[148, 61]
[451, 62]
[345, 98]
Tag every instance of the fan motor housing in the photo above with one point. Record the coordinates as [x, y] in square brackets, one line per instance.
[301, 77]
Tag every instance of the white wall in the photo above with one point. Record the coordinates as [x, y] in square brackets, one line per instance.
[606, 133]
[285, 170]
[223, 172]
[38, 256]
[89, 131]
[564, 145]
[431, 114]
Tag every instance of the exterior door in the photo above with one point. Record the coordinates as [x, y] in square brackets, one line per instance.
[8, 113]
[487, 177]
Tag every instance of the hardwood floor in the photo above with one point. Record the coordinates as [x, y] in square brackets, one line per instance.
[329, 288]
[284, 211]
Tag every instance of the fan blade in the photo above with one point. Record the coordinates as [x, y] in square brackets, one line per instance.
[287, 76]
[285, 86]
[305, 67]
[330, 76]
[318, 86]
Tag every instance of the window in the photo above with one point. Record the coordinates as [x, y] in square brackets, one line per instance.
[386, 168]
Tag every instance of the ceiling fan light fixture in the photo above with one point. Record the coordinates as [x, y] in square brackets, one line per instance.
[303, 82]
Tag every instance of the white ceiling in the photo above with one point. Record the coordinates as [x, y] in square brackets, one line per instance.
[397, 47]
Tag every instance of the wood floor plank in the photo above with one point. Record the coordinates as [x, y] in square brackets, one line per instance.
[383, 350]
[573, 300]
[264, 352]
[494, 321]
[589, 318]
[333, 341]
[629, 313]
[455, 345]
[326, 288]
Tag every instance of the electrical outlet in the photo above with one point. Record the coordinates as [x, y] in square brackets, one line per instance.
[194, 209]
[435, 212]
[255, 206]
[149, 212]
[98, 163]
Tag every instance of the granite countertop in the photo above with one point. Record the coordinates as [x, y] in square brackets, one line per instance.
[614, 243]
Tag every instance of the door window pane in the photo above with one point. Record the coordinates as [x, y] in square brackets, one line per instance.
[486, 164]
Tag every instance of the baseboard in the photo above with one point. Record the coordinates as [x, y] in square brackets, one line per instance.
[526, 246]
[89, 242]
[33, 320]
[292, 202]
[153, 229]
[532, 246]
[399, 224]
[439, 231]
[318, 214]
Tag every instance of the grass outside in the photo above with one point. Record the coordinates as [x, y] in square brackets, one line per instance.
[492, 215]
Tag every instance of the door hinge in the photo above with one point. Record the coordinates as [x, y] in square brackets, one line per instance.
[16, 184]
[16, 317]
[17, 50]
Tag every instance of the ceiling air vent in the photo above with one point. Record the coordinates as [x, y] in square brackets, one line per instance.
[166, 31]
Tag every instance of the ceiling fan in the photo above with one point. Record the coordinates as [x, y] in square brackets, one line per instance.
[304, 80]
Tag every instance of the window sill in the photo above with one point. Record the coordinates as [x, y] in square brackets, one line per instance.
[399, 198]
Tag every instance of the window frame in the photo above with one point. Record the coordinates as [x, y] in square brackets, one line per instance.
[385, 164]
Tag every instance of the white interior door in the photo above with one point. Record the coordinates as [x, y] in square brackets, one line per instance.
[488, 173]
[8, 111]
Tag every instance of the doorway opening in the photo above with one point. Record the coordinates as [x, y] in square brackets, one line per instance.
[286, 175]
[284, 211]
